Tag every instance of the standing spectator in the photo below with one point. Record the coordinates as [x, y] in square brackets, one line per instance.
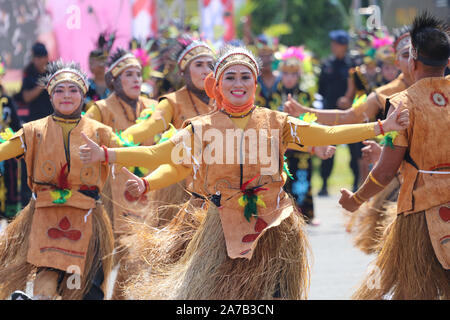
[332, 85]
[34, 96]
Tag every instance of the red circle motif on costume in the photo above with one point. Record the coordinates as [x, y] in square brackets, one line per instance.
[439, 99]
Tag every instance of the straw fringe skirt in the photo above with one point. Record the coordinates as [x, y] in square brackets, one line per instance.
[15, 271]
[406, 267]
[278, 268]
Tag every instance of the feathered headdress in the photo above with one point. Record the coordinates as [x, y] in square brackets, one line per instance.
[104, 45]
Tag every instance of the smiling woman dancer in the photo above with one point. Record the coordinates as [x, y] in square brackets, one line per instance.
[251, 244]
[195, 63]
[63, 233]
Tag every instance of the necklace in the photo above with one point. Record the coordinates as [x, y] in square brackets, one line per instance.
[192, 101]
[241, 116]
[59, 119]
[125, 111]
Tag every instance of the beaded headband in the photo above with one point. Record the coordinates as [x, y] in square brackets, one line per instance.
[290, 65]
[236, 56]
[128, 60]
[67, 75]
[403, 41]
[194, 50]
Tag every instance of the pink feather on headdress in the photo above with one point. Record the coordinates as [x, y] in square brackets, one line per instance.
[381, 42]
[142, 56]
[296, 52]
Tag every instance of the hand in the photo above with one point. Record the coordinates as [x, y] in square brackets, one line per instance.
[134, 185]
[371, 152]
[343, 103]
[91, 151]
[347, 202]
[294, 108]
[398, 120]
[324, 152]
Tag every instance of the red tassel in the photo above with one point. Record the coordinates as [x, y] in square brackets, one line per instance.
[63, 182]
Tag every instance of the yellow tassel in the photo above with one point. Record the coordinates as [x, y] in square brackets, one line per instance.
[242, 202]
[169, 133]
[309, 117]
[54, 194]
[359, 101]
[7, 134]
[260, 202]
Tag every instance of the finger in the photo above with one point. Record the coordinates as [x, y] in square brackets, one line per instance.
[368, 142]
[345, 193]
[289, 97]
[87, 139]
[130, 183]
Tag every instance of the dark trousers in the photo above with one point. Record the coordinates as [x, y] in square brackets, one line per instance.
[355, 152]
[325, 171]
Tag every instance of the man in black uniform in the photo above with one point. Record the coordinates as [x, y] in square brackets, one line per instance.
[333, 85]
[35, 96]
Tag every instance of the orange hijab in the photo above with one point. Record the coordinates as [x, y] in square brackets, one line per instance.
[214, 90]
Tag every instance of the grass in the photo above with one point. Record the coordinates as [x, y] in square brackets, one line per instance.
[341, 175]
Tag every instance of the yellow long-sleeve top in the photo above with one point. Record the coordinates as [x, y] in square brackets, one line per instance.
[169, 173]
[13, 148]
[157, 123]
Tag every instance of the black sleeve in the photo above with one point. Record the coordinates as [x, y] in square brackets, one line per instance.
[28, 83]
[15, 121]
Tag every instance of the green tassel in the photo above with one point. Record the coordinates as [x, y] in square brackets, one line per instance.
[286, 169]
[250, 209]
[138, 172]
[62, 196]
[125, 143]
[389, 138]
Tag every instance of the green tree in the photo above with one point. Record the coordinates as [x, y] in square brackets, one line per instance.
[306, 22]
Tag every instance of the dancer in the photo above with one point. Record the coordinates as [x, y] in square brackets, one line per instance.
[98, 90]
[414, 261]
[62, 240]
[368, 223]
[250, 244]
[120, 111]
[376, 101]
[195, 63]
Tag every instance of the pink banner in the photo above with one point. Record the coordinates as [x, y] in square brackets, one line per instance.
[76, 25]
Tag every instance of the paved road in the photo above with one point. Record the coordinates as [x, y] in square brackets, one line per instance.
[338, 266]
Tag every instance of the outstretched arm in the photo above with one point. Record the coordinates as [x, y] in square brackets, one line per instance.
[381, 175]
[11, 149]
[150, 157]
[365, 112]
[297, 131]
[157, 123]
[164, 176]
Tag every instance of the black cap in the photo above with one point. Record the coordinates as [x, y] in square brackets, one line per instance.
[39, 50]
[339, 36]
